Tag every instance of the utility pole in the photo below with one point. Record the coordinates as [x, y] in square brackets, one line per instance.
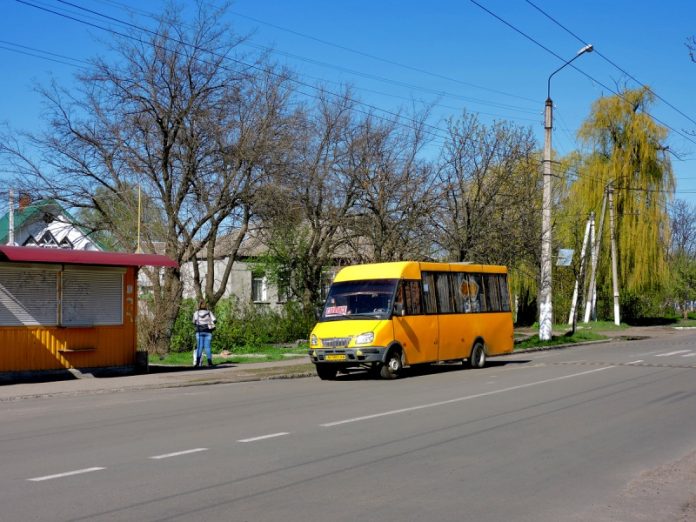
[574, 301]
[137, 247]
[545, 301]
[591, 301]
[10, 220]
[546, 280]
[614, 271]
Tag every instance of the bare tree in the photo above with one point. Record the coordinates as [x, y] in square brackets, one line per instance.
[682, 255]
[392, 212]
[488, 181]
[179, 113]
[307, 210]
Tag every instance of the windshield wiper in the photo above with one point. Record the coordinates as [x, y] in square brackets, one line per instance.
[363, 315]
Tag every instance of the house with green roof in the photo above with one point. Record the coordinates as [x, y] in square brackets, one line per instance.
[45, 223]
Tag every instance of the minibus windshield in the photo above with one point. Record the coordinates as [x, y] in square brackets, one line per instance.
[360, 299]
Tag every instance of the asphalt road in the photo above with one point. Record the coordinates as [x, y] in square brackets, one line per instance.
[601, 432]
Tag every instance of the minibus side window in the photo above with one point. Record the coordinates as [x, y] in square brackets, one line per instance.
[478, 303]
[461, 292]
[429, 293]
[412, 297]
[444, 303]
[504, 293]
[493, 293]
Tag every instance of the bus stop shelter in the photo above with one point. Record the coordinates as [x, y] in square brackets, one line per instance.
[69, 309]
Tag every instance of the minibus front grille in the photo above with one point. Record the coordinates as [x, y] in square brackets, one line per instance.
[336, 342]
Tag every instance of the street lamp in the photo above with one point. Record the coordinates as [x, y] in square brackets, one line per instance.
[545, 294]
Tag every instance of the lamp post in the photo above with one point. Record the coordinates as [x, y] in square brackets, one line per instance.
[545, 294]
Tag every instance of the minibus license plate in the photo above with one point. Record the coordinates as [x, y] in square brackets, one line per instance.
[340, 357]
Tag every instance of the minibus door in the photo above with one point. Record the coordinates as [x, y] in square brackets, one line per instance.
[417, 332]
[418, 335]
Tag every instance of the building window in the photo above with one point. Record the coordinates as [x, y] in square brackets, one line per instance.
[259, 289]
[284, 288]
[48, 240]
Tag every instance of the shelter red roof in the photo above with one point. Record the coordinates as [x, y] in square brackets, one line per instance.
[20, 254]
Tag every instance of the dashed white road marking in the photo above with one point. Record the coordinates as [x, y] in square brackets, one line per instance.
[459, 399]
[672, 353]
[636, 362]
[66, 474]
[264, 437]
[178, 453]
[689, 355]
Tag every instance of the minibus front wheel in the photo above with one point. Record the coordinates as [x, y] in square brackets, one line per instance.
[393, 364]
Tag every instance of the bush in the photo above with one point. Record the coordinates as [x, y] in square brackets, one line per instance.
[247, 326]
[183, 334]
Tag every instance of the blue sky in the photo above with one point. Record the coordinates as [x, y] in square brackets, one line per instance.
[450, 53]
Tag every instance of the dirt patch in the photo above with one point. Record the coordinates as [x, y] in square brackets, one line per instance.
[663, 494]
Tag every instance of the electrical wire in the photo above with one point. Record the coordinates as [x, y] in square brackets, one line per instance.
[605, 58]
[553, 53]
[349, 49]
[134, 26]
[437, 92]
[43, 54]
[434, 130]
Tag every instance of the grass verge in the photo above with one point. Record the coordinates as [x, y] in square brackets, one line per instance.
[240, 355]
[578, 337]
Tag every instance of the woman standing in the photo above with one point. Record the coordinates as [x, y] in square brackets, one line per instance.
[204, 321]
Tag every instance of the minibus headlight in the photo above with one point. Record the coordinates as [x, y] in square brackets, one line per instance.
[313, 340]
[365, 338]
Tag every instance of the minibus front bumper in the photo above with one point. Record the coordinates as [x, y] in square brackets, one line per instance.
[367, 354]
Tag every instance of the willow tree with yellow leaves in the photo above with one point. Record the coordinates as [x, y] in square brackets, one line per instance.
[628, 150]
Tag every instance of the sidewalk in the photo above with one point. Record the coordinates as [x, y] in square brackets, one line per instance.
[160, 377]
[171, 377]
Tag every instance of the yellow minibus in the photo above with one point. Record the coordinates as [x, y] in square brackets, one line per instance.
[385, 316]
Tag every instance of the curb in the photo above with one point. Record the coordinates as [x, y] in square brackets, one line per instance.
[559, 346]
[162, 386]
[583, 343]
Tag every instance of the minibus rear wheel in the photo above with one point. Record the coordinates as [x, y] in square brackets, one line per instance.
[326, 372]
[392, 365]
[477, 358]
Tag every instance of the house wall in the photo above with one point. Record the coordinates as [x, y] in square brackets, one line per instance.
[239, 284]
[34, 348]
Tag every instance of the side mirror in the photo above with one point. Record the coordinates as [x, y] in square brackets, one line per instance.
[399, 309]
[317, 312]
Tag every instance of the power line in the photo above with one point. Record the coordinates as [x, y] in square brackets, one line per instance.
[438, 92]
[384, 60]
[553, 53]
[604, 57]
[354, 51]
[42, 54]
[435, 131]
